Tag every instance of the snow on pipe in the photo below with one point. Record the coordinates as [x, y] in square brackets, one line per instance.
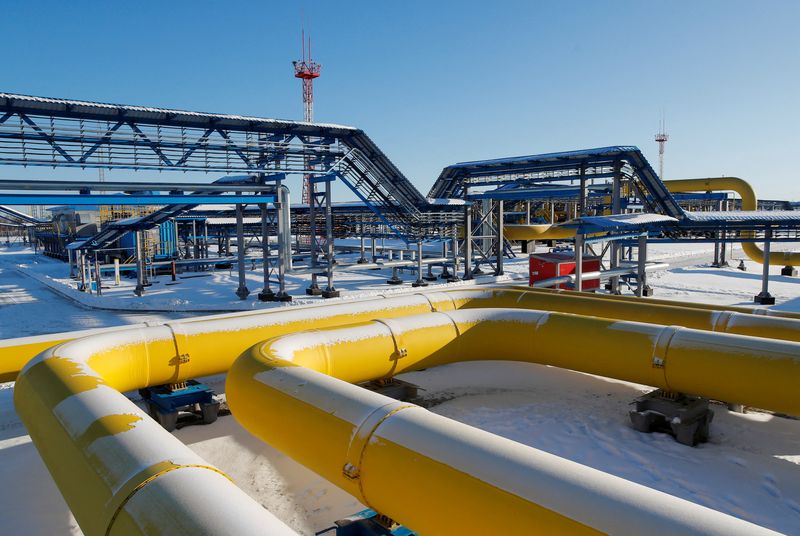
[14, 353]
[427, 471]
[749, 202]
[103, 452]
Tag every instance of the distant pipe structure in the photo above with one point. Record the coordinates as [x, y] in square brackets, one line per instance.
[740, 186]
[121, 473]
[749, 202]
[375, 445]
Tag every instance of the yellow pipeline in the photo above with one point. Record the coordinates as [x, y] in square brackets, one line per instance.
[543, 231]
[88, 375]
[749, 202]
[758, 311]
[14, 353]
[442, 477]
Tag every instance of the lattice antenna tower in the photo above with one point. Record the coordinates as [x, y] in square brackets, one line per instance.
[306, 69]
[661, 138]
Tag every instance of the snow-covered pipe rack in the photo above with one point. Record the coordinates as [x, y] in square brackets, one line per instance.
[295, 392]
[121, 473]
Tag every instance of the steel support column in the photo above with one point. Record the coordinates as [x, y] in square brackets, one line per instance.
[330, 291]
[266, 294]
[467, 241]
[764, 297]
[616, 187]
[242, 292]
[140, 264]
[578, 262]
[642, 288]
[420, 282]
[283, 217]
[499, 239]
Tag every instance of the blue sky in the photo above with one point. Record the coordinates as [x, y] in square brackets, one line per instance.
[440, 82]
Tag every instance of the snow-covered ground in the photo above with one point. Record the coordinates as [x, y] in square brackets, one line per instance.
[750, 468]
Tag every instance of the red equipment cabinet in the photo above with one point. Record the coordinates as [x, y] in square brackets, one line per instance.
[543, 266]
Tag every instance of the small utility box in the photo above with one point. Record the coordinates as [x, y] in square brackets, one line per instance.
[556, 264]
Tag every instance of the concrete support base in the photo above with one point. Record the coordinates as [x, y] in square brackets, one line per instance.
[764, 298]
[313, 290]
[282, 297]
[722, 264]
[242, 292]
[393, 388]
[687, 418]
[395, 281]
[647, 291]
[266, 295]
[419, 283]
[789, 271]
[330, 293]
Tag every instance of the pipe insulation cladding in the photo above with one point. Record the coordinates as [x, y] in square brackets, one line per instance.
[295, 392]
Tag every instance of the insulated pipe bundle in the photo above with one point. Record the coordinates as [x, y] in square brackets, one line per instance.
[374, 446]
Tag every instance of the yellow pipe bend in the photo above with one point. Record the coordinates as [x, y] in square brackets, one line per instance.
[749, 202]
[374, 446]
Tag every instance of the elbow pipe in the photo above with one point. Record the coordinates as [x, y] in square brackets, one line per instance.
[749, 202]
[118, 470]
[375, 445]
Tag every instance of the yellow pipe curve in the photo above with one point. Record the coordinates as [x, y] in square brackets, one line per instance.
[374, 446]
[749, 202]
[108, 458]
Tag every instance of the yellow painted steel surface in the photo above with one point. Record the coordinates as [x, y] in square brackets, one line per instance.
[685, 305]
[749, 202]
[361, 455]
[537, 232]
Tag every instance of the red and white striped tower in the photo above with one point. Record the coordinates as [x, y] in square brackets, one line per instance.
[661, 138]
[307, 70]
